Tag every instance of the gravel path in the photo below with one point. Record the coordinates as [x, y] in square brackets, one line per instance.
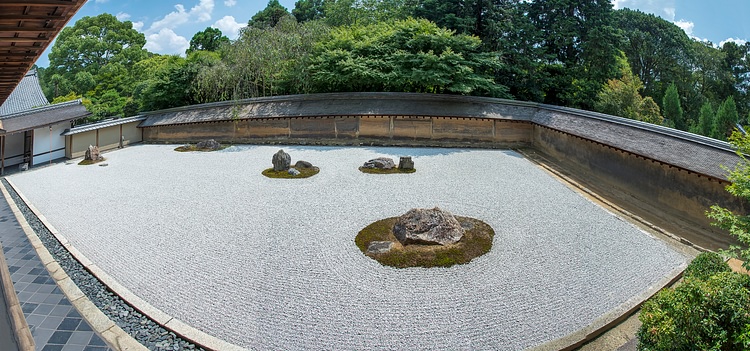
[271, 263]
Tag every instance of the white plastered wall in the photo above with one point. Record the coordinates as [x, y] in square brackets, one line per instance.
[48, 143]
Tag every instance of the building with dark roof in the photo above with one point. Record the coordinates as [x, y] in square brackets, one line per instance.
[31, 128]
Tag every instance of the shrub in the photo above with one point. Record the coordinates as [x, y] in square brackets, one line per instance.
[706, 265]
[710, 314]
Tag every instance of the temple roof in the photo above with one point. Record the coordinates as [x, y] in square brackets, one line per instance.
[27, 95]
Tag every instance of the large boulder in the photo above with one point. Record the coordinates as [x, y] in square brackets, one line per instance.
[92, 154]
[303, 164]
[281, 161]
[380, 163]
[208, 145]
[428, 227]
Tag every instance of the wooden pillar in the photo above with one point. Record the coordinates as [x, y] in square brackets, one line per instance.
[97, 137]
[121, 139]
[2, 155]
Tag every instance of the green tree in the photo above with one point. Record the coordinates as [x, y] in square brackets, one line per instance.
[269, 16]
[308, 10]
[726, 119]
[210, 39]
[622, 97]
[457, 15]
[738, 225]
[408, 56]
[94, 42]
[673, 108]
[580, 49]
[658, 51]
[508, 31]
[702, 313]
[263, 62]
[706, 122]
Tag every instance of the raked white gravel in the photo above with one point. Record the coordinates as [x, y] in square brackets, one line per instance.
[271, 263]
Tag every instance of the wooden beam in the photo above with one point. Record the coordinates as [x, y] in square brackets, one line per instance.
[26, 29]
[56, 3]
[24, 40]
[24, 17]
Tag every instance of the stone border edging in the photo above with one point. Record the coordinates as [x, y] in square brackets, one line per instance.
[18, 321]
[103, 325]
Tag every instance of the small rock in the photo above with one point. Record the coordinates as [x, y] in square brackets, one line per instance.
[208, 145]
[293, 172]
[405, 162]
[380, 163]
[281, 161]
[103, 164]
[23, 167]
[378, 247]
[303, 164]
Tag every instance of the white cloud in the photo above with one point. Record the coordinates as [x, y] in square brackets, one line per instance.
[201, 12]
[166, 41]
[230, 3]
[229, 26]
[138, 25]
[122, 16]
[618, 4]
[161, 36]
[733, 40]
[670, 12]
[687, 26]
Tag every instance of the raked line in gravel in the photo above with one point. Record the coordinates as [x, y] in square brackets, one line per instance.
[271, 263]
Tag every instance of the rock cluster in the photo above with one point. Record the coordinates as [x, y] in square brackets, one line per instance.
[92, 154]
[380, 163]
[428, 227]
[210, 144]
[281, 161]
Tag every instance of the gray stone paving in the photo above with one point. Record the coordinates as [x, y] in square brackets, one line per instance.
[271, 263]
[54, 323]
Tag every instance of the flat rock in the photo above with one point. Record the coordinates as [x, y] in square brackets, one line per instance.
[303, 164]
[380, 163]
[209, 144]
[281, 161]
[379, 247]
[428, 227]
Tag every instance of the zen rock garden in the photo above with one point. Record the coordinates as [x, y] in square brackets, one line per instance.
[205, 145]
[385, 165]
[282, 167]
[425, 238]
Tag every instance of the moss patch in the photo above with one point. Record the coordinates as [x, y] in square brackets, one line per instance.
[303, 173]
[90, 162]
[188, 148]
[476, 242]
[394, 170]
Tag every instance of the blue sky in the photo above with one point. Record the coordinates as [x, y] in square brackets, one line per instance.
[169, 24]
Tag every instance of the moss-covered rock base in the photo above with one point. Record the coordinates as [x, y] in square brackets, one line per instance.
[477, 241]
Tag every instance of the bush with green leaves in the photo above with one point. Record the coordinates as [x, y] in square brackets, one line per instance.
[706, 312]
[706, 265]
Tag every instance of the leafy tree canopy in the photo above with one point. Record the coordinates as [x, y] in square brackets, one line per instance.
[210, 39]
[410, 56]
[92, 43]
[269, 16]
